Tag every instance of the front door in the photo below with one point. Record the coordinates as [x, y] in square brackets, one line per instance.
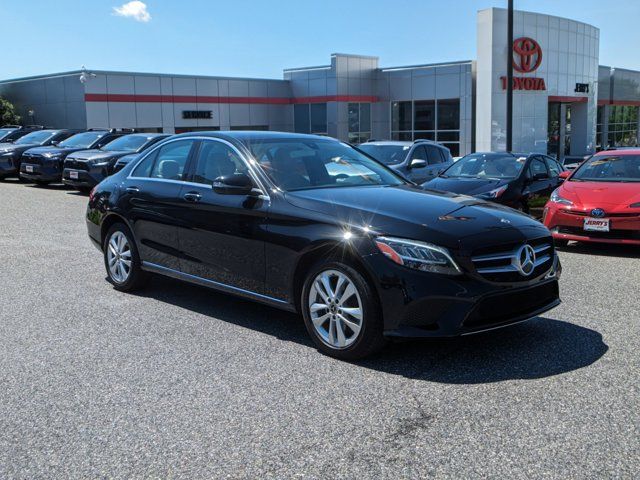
[538, 186]
[154, 204]
[220, 234]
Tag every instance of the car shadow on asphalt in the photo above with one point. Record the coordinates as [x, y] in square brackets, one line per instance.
[603, 249]
[541, 347]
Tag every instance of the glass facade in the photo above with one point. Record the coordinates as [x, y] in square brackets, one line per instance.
[623, 126]
[359, 115]
[310, 118]
[437, 120]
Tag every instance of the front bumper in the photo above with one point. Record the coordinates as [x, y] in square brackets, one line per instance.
[7, 167]
[48, 172]
[419, 304]
[84, 178]
[568, 225]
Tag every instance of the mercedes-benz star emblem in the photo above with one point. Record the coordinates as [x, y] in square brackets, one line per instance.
[597, 212]
[525, 260]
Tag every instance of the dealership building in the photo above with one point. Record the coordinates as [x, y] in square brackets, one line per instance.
[565, 102]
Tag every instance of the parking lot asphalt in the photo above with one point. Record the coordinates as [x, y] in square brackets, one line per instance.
[182, 382]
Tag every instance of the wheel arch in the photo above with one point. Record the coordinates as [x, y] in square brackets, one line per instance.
[108, 221]
[338, 251]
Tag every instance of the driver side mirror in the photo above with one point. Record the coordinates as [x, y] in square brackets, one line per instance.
[564, 175]
[418, 163]
[236, 184]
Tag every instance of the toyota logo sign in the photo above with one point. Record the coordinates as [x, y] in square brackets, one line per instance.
[527, 55]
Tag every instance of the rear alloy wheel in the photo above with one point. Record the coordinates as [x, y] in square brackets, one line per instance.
[121, 259]
[341, 313]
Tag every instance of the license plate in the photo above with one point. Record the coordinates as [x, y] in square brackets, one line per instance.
[29, 168]
[596, 224]
[73, 174]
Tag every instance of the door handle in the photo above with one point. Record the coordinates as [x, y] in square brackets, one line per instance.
[133, 189]
[192, 197]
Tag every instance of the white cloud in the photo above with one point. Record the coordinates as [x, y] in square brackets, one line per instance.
[134, 9]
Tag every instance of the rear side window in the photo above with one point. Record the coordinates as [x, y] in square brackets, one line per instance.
[171, 160]
[216, 159]
[537, 166]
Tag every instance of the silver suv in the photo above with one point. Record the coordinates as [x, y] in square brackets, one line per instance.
[418, 161]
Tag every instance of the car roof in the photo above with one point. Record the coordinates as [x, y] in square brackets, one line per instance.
[502, 154]
[396, 143]
[250, 136]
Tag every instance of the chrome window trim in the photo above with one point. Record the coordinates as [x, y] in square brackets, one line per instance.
[263, 191]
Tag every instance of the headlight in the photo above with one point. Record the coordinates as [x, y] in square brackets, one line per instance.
[555, 197]
[101, 164]
[494, 193]
[418, 255]
[51, 156]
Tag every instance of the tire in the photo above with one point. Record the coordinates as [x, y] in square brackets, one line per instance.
[351, 345]
[40, 183]
[560, 243]
[120, 246]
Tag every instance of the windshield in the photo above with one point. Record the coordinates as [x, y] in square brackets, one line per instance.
[81, 140]
[128, 143]
[483, 165]
[5, 131]
[35, 137]
[300, 164]
[387, 154]
[609, 168]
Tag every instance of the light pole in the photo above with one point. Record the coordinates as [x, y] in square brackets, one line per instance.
[510, 76]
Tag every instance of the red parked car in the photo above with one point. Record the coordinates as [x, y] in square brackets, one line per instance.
[599, 201]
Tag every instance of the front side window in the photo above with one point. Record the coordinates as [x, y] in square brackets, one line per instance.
[609, 168]
[537, 167]
[482, 165]
[82, 140]
[298, 164]
[216, 159]
[554, 167]
[35, 137]
[127, 143]
[434, 155]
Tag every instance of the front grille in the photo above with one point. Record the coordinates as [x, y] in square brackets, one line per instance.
[33, 159]
[76, 164]
[501, 263]
[607, 215]
[612, 234]
[512, 305]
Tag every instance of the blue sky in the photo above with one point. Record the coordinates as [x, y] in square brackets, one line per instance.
[255, 38]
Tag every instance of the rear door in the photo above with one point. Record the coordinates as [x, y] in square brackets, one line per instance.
[154, 204]
[221, 235]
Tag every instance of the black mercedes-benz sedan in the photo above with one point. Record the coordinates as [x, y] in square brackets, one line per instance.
[11, 153]
[521, 181]
[311, 225]
[43, 165]
[85, 169]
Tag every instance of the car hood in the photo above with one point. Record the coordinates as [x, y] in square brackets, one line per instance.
[10, 147]
[467, 186]
[96, 155]
[453, 221]
[598, 194]
[52, 150]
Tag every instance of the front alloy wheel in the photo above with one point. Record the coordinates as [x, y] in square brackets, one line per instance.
[341, 311]
[336, 309]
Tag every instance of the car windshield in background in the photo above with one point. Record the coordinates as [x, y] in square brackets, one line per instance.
[5, 131]
[81, 140]
[387, 154]
[299, 164]
[35, 137]
[609, 168]
[482, 165]
[128, 143]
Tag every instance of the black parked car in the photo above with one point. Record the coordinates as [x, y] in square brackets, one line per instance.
[43, 165]
[417, 161]
[9, 133]
[521, 181]
[87, 168]
[309, 224]
[11, 153]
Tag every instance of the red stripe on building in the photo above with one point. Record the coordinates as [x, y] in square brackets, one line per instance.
[553, 98]
[119, 97]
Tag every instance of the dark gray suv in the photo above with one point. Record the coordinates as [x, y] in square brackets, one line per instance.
[418, 161]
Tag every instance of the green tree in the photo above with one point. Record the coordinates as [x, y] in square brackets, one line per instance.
[8, 115]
